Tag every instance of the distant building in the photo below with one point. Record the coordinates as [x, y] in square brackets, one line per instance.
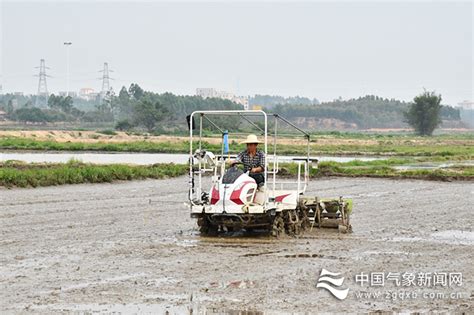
[225, 95]
[206, 92]
[466, 104]
[242, 100]
[3, 115]
[211, 92]
[88, 94]
[466, 110]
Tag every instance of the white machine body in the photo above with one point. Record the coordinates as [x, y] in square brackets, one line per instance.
[237, 193]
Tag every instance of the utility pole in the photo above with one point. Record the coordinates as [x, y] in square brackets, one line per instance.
[67, 44]
[42, 95]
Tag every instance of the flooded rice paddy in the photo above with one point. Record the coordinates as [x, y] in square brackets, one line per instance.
[131, 247]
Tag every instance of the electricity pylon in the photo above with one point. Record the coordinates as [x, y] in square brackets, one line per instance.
[42, 95]
[105, 80]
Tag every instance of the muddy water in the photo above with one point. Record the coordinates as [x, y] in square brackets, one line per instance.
[131, 247]
[130, 158]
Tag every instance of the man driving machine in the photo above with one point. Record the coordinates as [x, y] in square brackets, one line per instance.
[252, 159]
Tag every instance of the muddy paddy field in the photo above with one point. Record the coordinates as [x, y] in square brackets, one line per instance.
[132, 247]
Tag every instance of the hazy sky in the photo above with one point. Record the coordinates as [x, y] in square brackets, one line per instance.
[314, 49]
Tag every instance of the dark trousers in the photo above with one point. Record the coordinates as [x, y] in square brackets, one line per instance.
[259, 178]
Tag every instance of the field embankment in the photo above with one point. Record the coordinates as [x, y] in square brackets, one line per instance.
[459, 146]
[454, 150]
[389, 168]
[17, 174]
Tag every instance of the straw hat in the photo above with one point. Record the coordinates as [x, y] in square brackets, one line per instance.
[251, 139]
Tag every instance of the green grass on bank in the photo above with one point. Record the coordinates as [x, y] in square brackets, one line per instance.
[463, 150]
[384, 169]
[388, 149]
[391, 135]
[17, 174]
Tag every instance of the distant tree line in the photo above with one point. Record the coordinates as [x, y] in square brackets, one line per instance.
[270, 101]
[132, 108]
[135, 108]
[366, 112]
[58, 109]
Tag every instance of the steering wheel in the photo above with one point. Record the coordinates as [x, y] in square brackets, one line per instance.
[239, 162]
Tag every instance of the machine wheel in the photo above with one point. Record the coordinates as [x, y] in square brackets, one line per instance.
[293, 223]
[305, 222]
[278, 227]
[231, 229]
[295, 229]
[206, 228]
